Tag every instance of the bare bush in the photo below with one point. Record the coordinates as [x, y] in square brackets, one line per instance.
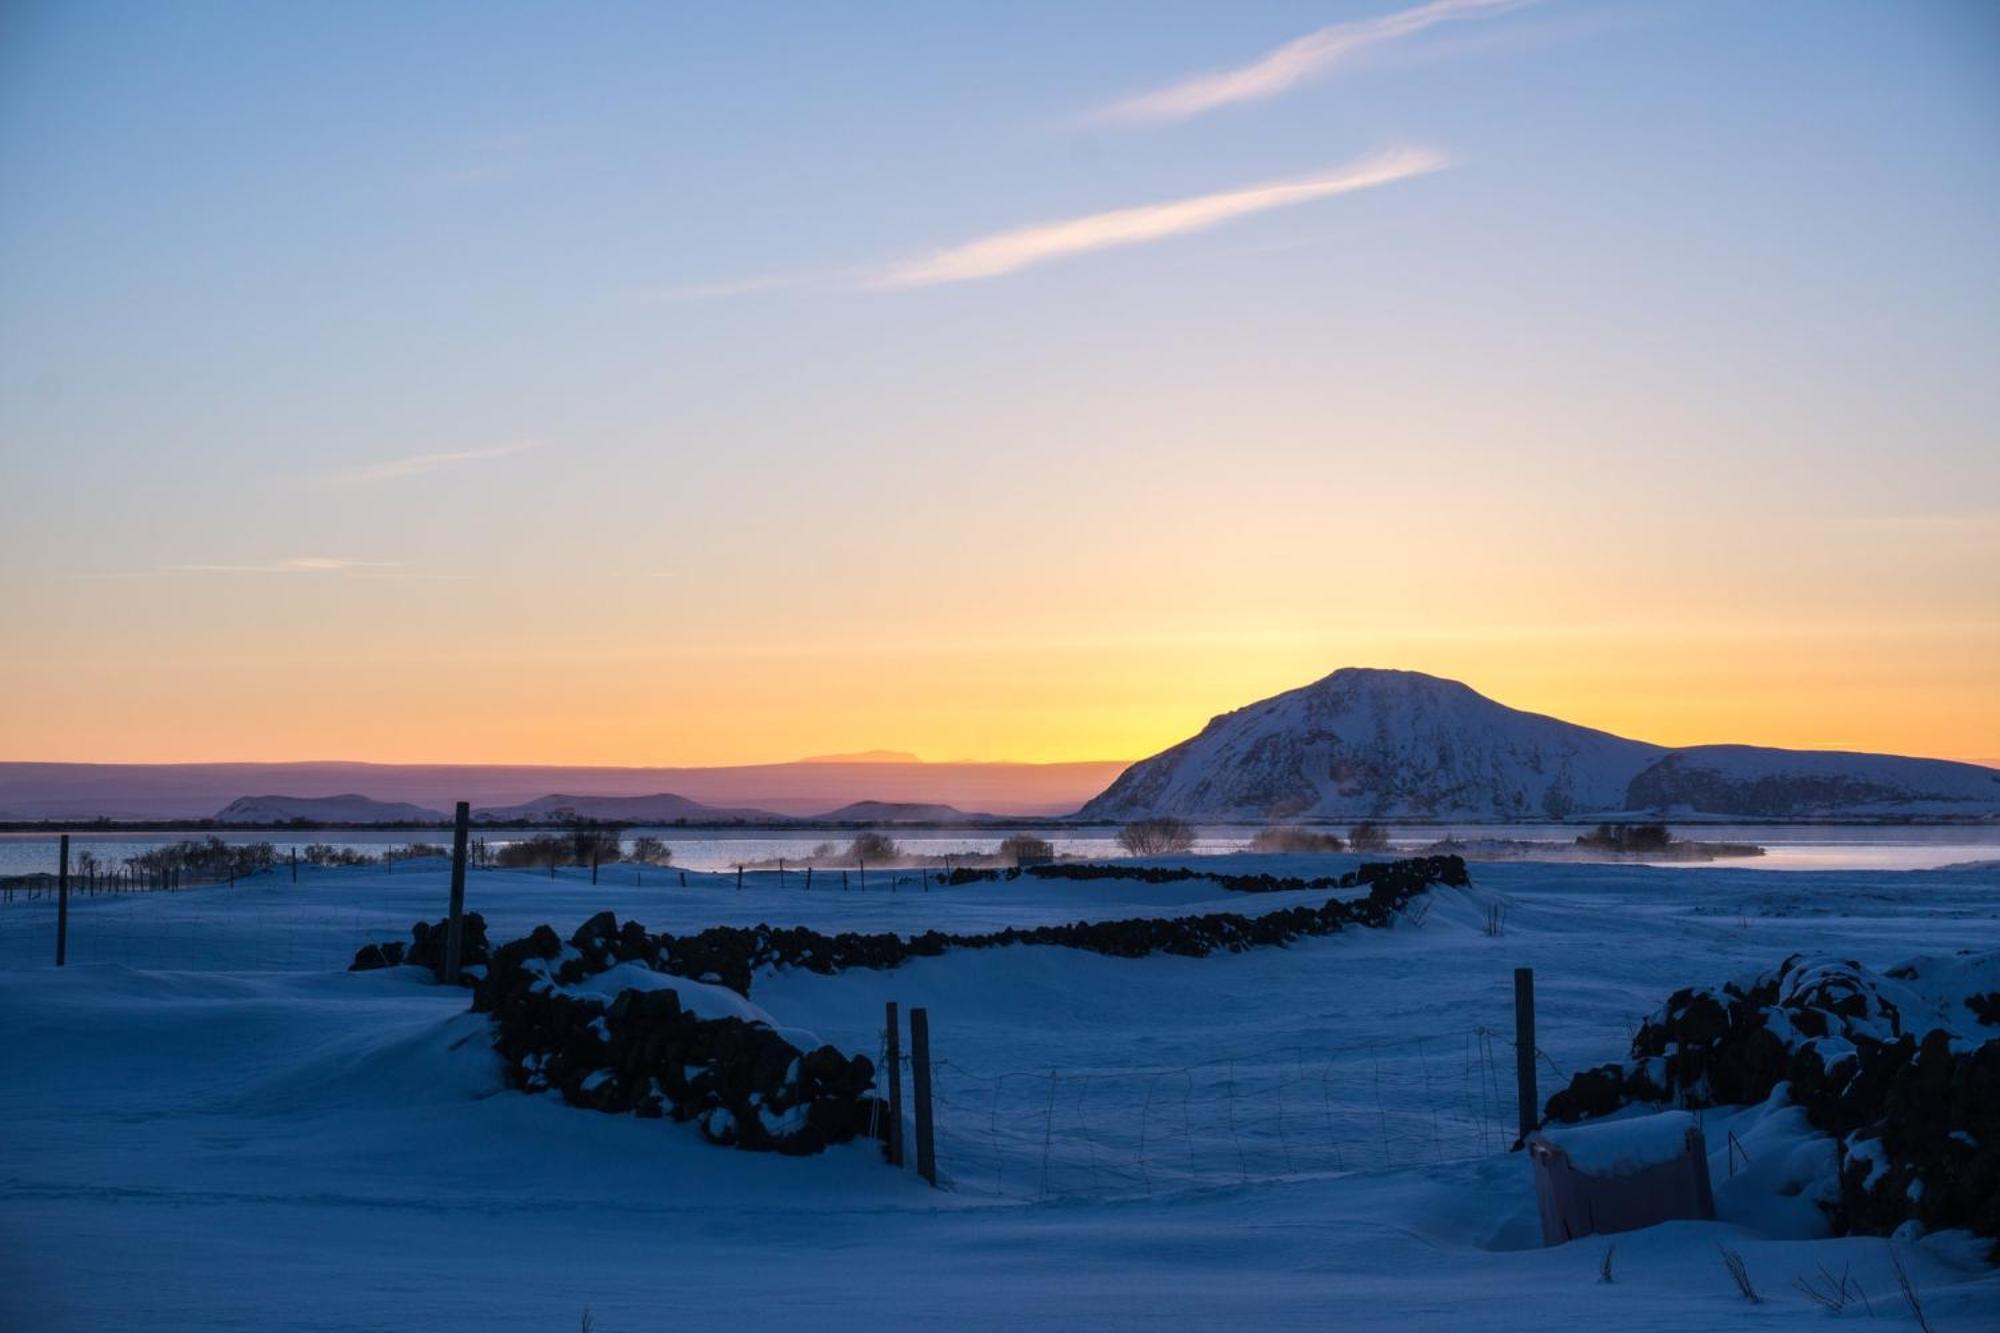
[1627, 838]
[876, 847]
[1832, 1294]
[210, 858]
[1368, 836]
[1604, 1265]
[1156, 837]
[1739, 1273]
[1913, 1295]
[650, 851]
[1291, 839]
[1024, 849]
[326, 854]
[541, 851]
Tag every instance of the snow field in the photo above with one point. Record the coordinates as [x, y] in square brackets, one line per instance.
[221, 1134]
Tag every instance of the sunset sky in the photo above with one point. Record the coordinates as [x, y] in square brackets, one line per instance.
[674, 384]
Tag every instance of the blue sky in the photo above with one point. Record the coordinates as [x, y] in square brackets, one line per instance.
[345, 316]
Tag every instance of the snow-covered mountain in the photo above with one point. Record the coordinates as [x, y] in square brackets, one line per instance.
[349, 808]
[1376, 743]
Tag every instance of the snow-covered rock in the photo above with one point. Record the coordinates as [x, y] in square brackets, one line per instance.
[1371, 743]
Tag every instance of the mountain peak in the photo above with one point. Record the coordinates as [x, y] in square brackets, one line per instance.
[1370, 742]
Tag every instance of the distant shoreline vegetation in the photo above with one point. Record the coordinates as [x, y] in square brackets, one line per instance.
[997, 824]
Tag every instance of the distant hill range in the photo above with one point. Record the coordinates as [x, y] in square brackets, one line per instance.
[901, 812]
[1371, 744]
[347, 808]
[659, 808]
[802, 789]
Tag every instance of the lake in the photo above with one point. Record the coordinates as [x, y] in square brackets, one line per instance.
[1788, 846]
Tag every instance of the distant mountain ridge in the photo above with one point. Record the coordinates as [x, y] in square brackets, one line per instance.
[346, 808]
[657, 808]
[32, 790]
[1368, 743]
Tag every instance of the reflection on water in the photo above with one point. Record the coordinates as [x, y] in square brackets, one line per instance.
[1788, 847]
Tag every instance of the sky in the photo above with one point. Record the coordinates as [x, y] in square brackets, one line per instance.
[676, 384]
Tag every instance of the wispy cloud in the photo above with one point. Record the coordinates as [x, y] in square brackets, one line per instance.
[418, 464]
[298, 564]
[1010, 251]
[1293, 63]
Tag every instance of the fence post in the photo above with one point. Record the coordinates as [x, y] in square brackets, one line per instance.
[295, 865]
[62, 902]
[920, 1087]
[809, 879]
[894, 1056]
[454, 931]
[1524, 1049]
[862, 867]
[739, 879]
[593, 867]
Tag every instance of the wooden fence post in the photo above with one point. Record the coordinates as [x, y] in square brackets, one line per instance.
[739, 879]
[894, 1057]
[593, 867]
[809, 879]
[295, 865]
[1524, 1049]
[862, 867]
[454, 931]
[62, 903]
[920, 1087]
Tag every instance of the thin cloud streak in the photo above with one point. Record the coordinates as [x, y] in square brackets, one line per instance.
[298, 564]
[418, 464]
[1293, 63]
[1022, 247]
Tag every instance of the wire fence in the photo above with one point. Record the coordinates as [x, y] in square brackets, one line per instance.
[223, 931]
[1098, 1132]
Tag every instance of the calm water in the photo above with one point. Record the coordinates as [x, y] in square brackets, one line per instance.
[1789, 847]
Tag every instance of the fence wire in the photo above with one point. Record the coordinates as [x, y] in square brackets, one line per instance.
[1032, 1134]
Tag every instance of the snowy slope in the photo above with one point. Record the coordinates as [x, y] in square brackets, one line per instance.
[350, 808]
[1366, 742]
[1754, 782]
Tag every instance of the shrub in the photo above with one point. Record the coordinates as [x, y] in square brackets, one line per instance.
[326, 854]
[542, 850]
[1627, 838]
[590, 841]
[1292, 838]
[210, 858]
[650, 851]
[876, 847]
[1368, 836]
[1156, 837]
[1024, 849]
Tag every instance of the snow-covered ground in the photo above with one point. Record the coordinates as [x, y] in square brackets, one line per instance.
[206, 1123]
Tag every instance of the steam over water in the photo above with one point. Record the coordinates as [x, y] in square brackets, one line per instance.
[1788, 847]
